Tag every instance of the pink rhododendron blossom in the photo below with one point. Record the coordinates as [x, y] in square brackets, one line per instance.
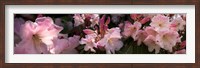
[100, 33]
[183, 51]
[65, 45]
[94, 19]
[160, 22]
[131, 30]
[111, 40]
[167, 39]
[140, 37]
[178, 23]
[36, 36]
[151, 31]
[78, 19]
[89, 42]
[150, 41]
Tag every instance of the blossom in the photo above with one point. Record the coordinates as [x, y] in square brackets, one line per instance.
[178, 23]
[78, 19]
[111, 41]
[89, 41]
[167, 39]
[37, 37]
[151, 31]
[150, 41]
[65, 45]
[94, 19]
[140, 37]
[160, 22]
[131, 30]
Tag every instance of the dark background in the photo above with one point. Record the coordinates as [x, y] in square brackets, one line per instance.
[99, 2]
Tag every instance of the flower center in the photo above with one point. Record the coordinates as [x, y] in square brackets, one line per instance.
[37, 42]
[165, 38]
[110, 41]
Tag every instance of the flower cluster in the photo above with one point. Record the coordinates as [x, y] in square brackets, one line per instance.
[100, 34]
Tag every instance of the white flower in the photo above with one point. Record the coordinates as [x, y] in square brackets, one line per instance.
[160, 22]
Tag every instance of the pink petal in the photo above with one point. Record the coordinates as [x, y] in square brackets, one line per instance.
[151, 31]
[144, 20]
[88, 31]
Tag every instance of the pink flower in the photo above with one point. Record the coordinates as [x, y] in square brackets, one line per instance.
[151, 31]
[183, 51]
[111, 41]
[89, 42]
[65, 45]
[37, 37]
[88, 31]
[160, 22]
[140, 37]
[178, 23]
[94, 19]
[167, 39]
[78, 19]
[131, 30]
[150, 41]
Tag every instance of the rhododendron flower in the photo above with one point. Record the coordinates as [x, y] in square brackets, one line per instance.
[150, 41]
[140, 37]
[89, 41]
[131, 30]
[167, 39]
[160, 22]
[65, 45]
[78, 19]
[111, 41]
[151, 31]
[37, 37]
[178, 23]
[94, 19]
